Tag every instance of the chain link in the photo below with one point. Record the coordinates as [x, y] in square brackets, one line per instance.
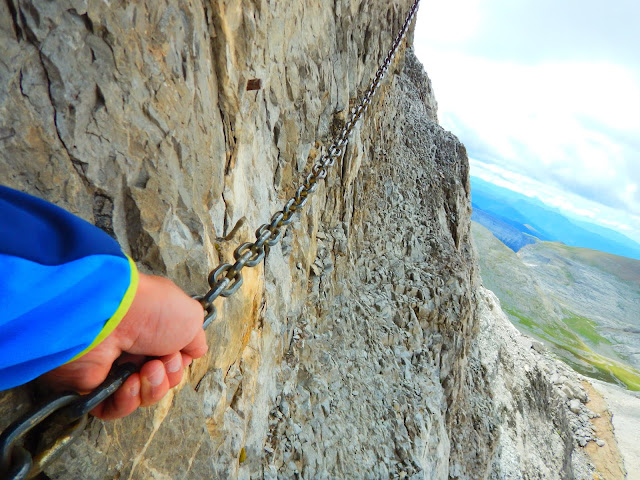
[72, 409]
[17, 463]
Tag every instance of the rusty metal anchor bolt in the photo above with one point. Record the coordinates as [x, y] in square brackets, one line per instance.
[254, 84]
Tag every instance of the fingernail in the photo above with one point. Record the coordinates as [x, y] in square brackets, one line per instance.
[135, 390]
[174, 364]
[156, 377]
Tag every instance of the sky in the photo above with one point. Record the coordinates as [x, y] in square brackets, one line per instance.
[545, 95]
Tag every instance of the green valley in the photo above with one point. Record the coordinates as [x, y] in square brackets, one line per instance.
[584, 305]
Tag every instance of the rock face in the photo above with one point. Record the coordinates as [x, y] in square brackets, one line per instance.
[537, 403]
[352, 352]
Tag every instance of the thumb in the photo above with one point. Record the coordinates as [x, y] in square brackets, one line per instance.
[198, 346]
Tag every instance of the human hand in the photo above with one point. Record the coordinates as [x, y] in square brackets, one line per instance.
[163, 322]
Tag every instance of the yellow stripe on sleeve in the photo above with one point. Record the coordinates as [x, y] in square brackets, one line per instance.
[111, 324]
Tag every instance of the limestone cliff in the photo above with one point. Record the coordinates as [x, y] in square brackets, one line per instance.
[352, 352]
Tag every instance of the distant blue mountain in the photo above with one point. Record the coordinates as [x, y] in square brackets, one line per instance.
[507, 234]
[532, 217]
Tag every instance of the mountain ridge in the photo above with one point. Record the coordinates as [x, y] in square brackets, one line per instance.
[531, 216]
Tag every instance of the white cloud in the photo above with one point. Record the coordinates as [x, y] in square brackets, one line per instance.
[557, 121]
[435, 21]
[548, 90]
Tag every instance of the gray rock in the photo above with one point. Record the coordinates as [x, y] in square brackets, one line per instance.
[568, 392]
[575, 406]
[538, 346]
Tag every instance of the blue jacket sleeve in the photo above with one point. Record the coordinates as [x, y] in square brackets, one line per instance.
[64, 286]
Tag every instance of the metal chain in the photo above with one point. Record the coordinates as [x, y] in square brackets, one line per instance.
[226, 278]
[72, 409]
